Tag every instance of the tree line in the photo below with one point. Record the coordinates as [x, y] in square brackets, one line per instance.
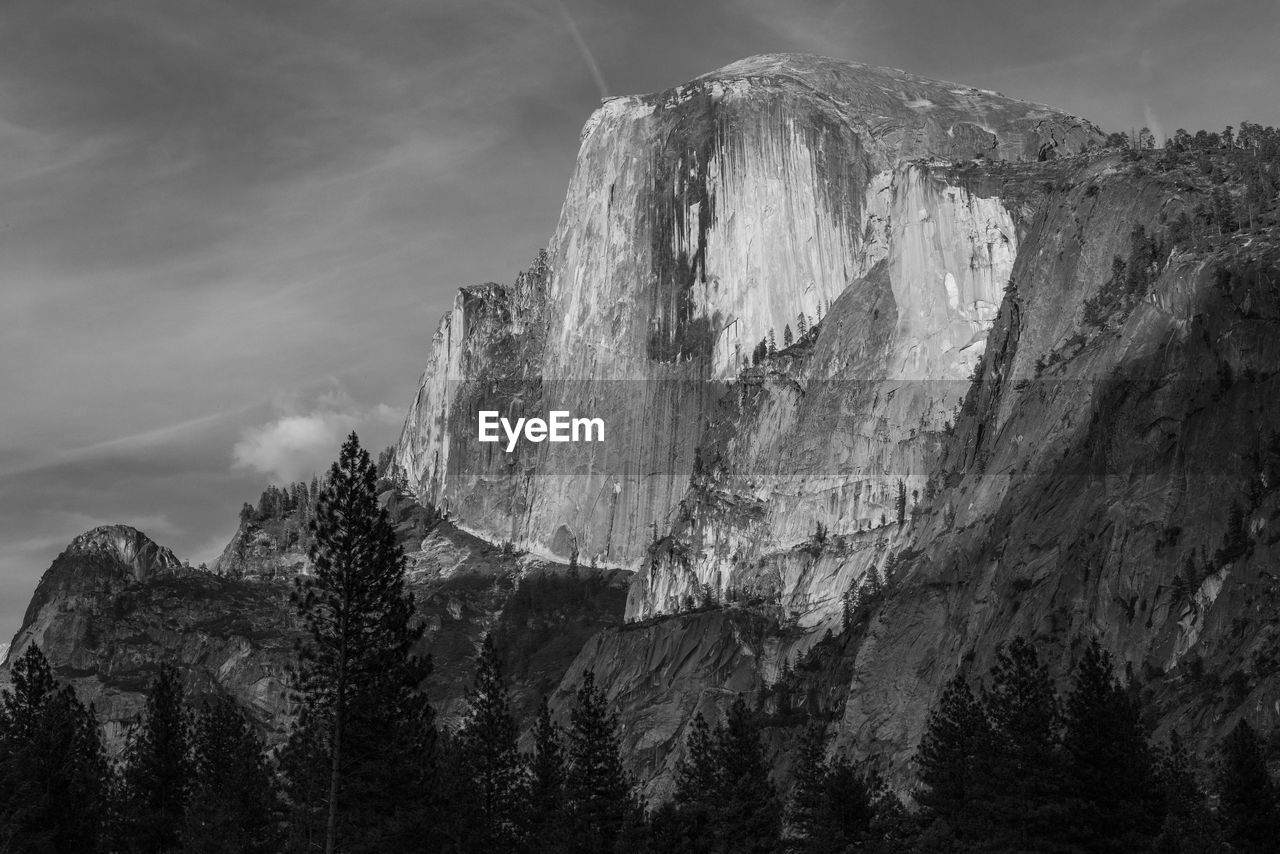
[1009, 766]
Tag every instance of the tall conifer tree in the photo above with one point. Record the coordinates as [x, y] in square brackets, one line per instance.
[601, 799]
[1110, 782]
[954, 764]
[360, 758]
[689, 825]
[495, 786]
[751, 812]
[724, 799]
[157, 768]
[1026, 800]
[234, 807]
[833, 803]
[546, 802]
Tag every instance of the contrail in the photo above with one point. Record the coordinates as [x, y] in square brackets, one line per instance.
[586, 51]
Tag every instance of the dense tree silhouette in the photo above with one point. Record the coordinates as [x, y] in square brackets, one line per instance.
[1110, 783]
[724, 799]
[954, 765]
[234, 807]
[689, 823]
[1027, 807]
[835, 806]
[53, 775]
[1246, 794]
[157, 769]
[1188, 826]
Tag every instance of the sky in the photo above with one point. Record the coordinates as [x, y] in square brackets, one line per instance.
[228, 227]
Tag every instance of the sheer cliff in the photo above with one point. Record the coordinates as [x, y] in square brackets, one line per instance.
[779, 194]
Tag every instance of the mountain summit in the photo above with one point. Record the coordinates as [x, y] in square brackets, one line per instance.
[123, 545]
[782, 197]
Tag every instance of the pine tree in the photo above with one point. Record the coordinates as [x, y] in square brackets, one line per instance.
[599, 792]
[787, 339]
[802, 324]
[750, 811]
[723, 792]
[234, 807]
[1188, 826]
[53, 774]
[546, 801]
[954, 764]
[157, 768]
[697, 777]
[832, 806]
[1110, 780]
[1246, 794]
[359, 761]
[489, 761]
[902, 502]
[1026, 805]
[861, 811]
[773, 345]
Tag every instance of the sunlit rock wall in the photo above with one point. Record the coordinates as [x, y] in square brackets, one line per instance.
[698, 222]
[833, 430]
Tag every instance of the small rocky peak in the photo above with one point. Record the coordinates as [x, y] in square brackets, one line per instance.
[126, 545]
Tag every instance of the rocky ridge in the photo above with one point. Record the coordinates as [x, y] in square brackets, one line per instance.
[115, 605]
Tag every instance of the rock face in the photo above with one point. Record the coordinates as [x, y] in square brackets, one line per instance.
[115, 605]
[776, 195]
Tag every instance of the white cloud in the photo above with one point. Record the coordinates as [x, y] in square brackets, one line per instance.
[298, 444]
